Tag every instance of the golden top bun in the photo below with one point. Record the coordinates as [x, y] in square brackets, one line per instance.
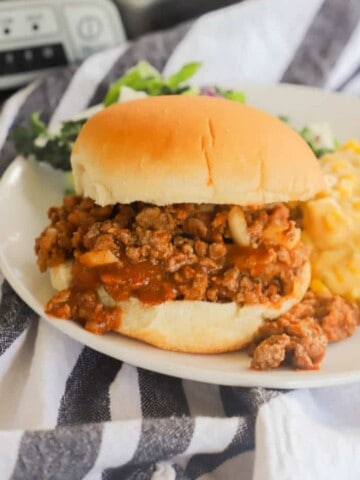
[175, 149]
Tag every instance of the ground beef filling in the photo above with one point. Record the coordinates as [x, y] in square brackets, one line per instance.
[175, 252]
[299, 337]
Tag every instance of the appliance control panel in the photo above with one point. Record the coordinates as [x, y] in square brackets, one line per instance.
[38, 35]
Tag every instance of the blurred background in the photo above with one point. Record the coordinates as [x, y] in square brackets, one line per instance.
[37, 36]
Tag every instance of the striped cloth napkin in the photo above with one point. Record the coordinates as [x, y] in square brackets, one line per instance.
[68, 412]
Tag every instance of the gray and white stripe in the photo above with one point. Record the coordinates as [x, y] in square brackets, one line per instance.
[324, 42]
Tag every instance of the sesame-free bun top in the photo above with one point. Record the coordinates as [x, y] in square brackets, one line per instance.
[174, 149]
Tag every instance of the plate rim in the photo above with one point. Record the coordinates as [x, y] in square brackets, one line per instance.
[245, 378]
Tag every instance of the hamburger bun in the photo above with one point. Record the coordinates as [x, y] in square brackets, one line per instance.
[175, 149]
[192, 326]
[182, 149]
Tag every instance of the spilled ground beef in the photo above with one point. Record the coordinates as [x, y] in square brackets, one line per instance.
[175, 252]
[299, 337]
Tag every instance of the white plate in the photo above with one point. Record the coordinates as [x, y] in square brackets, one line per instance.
[27, 189]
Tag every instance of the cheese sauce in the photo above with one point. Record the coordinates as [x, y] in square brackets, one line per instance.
[332, 224]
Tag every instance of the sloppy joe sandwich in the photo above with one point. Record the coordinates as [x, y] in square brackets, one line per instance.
[181, 233]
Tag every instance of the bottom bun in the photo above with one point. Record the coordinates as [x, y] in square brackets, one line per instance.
[194, 326]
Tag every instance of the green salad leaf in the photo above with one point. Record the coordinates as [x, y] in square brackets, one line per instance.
[316, 143]
[145, 78]
[38, 126]
[138, 77]
[318, 136]
[186, 72]
[34, 140]
[70, 187]
[234, 95]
